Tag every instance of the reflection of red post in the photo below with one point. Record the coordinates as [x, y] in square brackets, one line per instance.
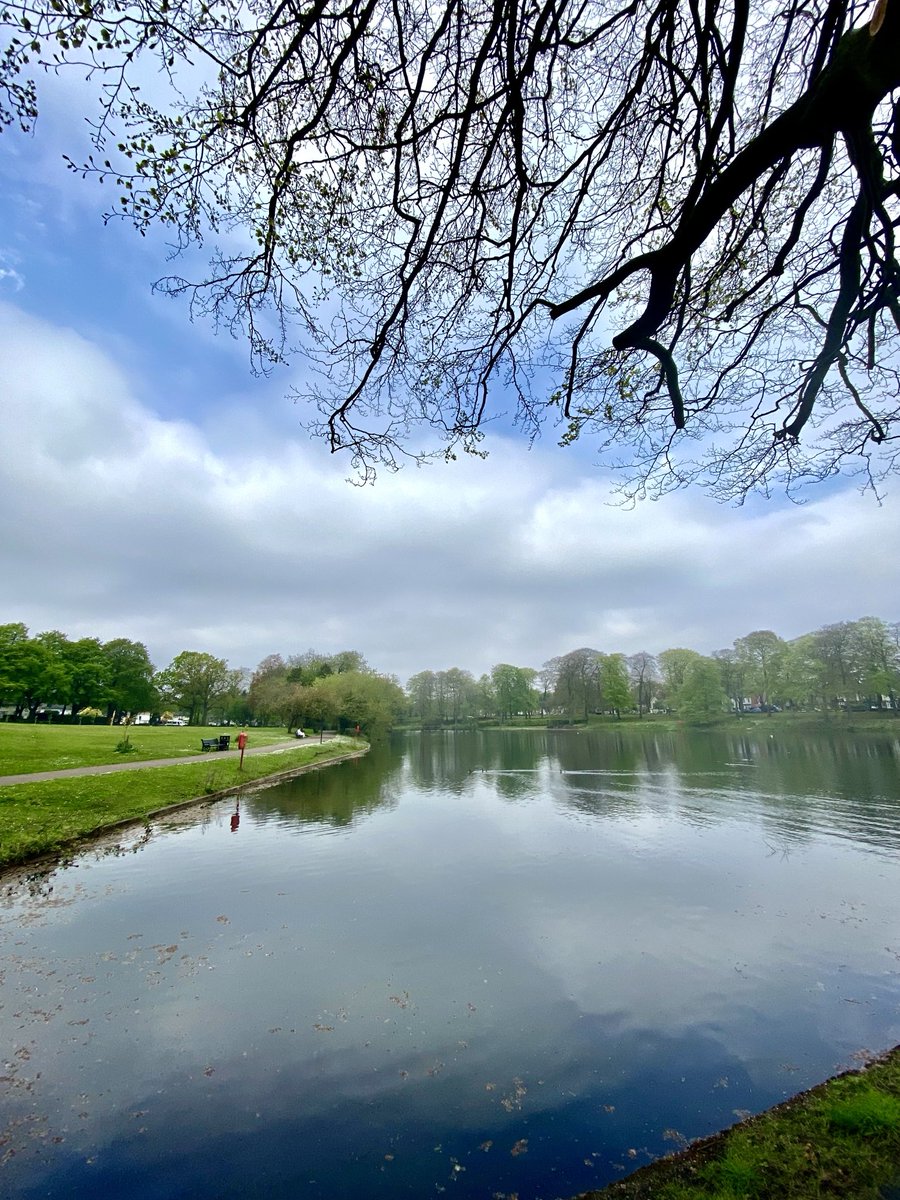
[242, 742]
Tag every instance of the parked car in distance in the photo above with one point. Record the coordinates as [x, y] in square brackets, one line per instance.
[176, 721]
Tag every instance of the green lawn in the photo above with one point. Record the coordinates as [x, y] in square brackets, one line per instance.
[43, 817]
[25, 748]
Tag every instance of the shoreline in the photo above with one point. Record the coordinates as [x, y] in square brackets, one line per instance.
[839, 1138]
[87, 800]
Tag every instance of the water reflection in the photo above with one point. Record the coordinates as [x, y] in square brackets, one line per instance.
[489, 964]
[330, 797]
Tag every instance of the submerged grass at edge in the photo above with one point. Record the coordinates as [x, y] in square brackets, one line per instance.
[40, 818]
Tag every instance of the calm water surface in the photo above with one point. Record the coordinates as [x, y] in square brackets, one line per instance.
[475, 964]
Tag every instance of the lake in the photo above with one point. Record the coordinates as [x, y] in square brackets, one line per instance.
[486, 964]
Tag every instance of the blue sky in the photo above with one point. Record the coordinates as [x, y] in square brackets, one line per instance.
[154, 488]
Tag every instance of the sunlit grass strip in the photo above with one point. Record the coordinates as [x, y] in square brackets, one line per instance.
[40, 818]
[841, 1139]
[25, 748]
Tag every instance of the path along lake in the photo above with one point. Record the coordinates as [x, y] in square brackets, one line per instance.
[473, 964]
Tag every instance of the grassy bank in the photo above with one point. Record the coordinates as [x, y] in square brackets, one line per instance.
[785, 722]
[25, 748]
[841, 1139]
[40, 818]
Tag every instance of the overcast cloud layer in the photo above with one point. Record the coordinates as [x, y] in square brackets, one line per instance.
[239, 540]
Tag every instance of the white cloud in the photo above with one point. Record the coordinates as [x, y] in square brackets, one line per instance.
[241, 540]
[11, 280]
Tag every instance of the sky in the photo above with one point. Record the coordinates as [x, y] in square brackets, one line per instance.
[153, 488]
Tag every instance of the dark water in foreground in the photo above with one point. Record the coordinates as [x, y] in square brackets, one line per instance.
[473, 964]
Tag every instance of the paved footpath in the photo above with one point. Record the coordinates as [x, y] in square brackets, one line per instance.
[110, 768]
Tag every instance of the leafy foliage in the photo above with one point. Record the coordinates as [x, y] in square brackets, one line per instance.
[193, 680]
[668, 227]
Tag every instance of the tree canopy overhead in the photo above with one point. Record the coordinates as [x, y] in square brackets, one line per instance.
[665, 226]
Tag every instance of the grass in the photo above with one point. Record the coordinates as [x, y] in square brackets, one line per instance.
[45, 817]
[841, 1139]
[25, 748]
[877, 722]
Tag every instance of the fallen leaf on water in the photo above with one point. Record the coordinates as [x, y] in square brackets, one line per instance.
[521, 1147]
[515, 1100]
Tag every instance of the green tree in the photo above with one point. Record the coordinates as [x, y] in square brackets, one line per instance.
[762, 652]
[443, 696]
[486, 699]
[49, 672]
[643, 671]
[687, 212]
[306, 704]
[615, 686]
[267, 697]
[421, 690]
[701, 698]
[232, 703]
[371, 701]
[88, 673]
[192, 681]
[13, 662]
[803, 674]
[836, 649]
[460, 693]
[733, 673]
[129, 678]
[674, 665]
[577, 682]
[877, 659]
[312, 665]
[513, 690]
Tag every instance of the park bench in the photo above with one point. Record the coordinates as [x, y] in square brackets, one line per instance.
[223, 742]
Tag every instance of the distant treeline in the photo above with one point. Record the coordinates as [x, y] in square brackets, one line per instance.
[847, 664]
